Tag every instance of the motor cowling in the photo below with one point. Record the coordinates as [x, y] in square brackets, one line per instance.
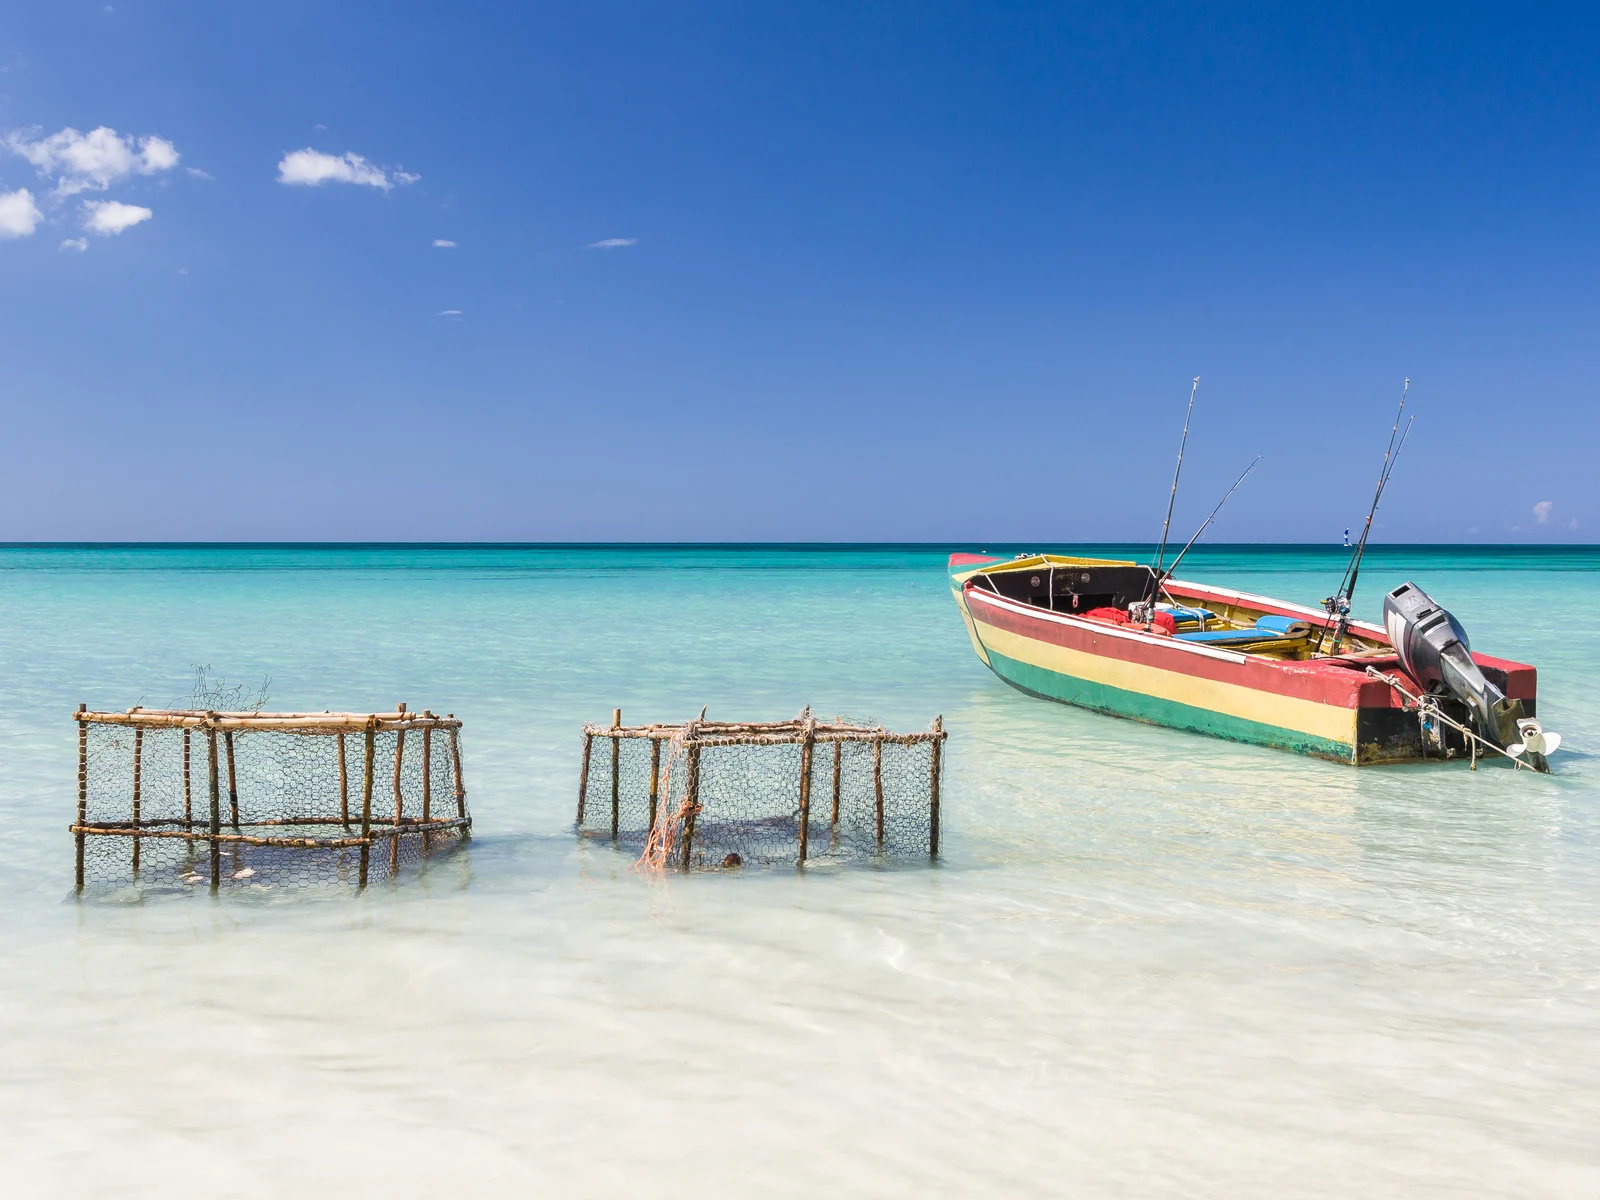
[1434, 651]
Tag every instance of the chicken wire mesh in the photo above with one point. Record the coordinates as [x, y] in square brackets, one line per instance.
[263, 801]
[708, 795]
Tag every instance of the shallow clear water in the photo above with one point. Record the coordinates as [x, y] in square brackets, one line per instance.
[1149, 963]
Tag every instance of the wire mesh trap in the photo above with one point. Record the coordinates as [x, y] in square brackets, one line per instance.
[713, 794]
[180, 798]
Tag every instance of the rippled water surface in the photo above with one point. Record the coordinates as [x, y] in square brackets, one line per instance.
[1149, 963]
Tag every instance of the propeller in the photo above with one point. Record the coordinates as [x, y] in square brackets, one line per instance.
[1534, 739]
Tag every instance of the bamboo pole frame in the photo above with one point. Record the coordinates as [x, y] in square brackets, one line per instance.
[691, 803]
[138, 783]
[616, 757]
[461, 787]
[188, 801]
[775, 732]
[233, 780]
[247, 830]
[583, 775]
[252, 839]
[805, 731]
[344, 780]
[83, 789]
[379, 821]
[366, 802]
[877, 791]
[807, 743]
[655, 780]
[838, 763]
[289, 722]
[427, 781]
[216, 810]
[399, 800]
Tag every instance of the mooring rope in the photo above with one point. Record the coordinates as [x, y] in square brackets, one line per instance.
[663, 836]
[1428, 706]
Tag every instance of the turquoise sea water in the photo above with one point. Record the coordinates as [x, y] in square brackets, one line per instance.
[1148, 964]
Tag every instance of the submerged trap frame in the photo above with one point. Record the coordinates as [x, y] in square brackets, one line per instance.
[179, 797]
[729, 793]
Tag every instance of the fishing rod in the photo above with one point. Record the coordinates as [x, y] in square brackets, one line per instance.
[1337, 605]
[1167, 574]
[1173, 498]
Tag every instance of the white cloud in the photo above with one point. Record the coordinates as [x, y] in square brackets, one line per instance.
[612, 244]
[78, 244]
[107, 217]
[311, 168]
[1541, 511]
[405, 177]
[198, 173]
[450, 312]
[93, 161]
[444, 244]
[156, 154]
[19, 215]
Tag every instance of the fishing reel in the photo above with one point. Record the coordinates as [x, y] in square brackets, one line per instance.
[1336, 606]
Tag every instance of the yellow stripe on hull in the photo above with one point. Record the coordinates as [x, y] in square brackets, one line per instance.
[1323, 721]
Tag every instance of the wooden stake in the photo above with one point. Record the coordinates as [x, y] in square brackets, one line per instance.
[188, 802]
[215, 789]
[233, 784]
[934, 748]
[83, 788]
[616, 753]
[583, 776]
[692, 797]
[394, 842]
[461, 787]
[366, 805]
[344, 784]
[877, 788]
[655, 779]
[838, 756]
[427, 782]
[299, 722]
[138, 784]
[807, 742]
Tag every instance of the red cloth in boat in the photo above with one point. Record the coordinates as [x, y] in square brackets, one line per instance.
[1164, 622]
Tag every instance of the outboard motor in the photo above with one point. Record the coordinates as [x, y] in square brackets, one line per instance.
[1434, 650]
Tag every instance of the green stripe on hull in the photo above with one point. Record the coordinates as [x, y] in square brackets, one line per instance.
[1119, 702]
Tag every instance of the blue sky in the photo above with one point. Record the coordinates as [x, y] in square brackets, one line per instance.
[791, 272]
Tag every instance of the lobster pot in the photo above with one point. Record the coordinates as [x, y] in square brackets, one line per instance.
[711, 795]
[178, 800]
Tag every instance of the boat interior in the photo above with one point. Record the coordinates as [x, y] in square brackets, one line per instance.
[1105, 589]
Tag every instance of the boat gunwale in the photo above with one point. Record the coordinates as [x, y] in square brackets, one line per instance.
[1098, 627]
[964, 576]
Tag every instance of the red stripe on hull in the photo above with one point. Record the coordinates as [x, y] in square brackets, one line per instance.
[1522, 680]
[1321, 682]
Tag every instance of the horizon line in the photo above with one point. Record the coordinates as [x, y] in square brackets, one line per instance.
[753, 545]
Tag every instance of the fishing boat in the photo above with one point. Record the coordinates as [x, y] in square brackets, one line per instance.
[1244, 667]
[1130, 640]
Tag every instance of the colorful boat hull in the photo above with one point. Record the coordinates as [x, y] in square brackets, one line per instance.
[1324, 708]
